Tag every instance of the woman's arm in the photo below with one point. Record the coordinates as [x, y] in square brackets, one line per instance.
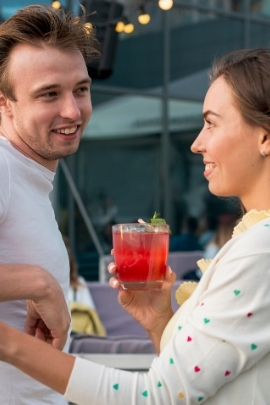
[35, 358]
[218, 341]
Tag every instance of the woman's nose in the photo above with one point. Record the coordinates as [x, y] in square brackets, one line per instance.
[198, 145]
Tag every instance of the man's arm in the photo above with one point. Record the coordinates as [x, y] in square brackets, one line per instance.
[48, 317]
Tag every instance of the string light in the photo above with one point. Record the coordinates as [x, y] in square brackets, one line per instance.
[165, 4]
[56, 4]
[88, 25]
[143, 17]
[124, 25]
[129, 28]
[120, 26]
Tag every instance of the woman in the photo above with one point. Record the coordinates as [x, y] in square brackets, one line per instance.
[216, 348]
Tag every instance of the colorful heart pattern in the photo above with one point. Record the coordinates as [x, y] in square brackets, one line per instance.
[197, 369]
[237, 292]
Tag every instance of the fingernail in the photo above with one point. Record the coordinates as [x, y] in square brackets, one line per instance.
[114, 283]
[169, 270]
[111, 266]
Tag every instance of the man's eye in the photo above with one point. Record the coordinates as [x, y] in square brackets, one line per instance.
[84, 89]
[49, 94]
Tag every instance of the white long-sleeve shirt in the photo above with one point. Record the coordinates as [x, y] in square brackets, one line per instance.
[216, 348]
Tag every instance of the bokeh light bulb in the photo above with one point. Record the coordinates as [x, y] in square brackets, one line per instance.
[56, 5]
[165, 4]
[128, 28]
[144, 18]
[120, 26]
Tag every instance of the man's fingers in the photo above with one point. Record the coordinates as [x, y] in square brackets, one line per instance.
[30, 324]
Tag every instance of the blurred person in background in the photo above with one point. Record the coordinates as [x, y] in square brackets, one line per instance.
[84, 317]
[78, 290]
[207, 227]
[223, 233]
[187, 240]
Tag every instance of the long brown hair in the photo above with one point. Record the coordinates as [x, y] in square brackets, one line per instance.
[247, 72]
[73, 267]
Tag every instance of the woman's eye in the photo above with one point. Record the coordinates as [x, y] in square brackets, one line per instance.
[209, 124]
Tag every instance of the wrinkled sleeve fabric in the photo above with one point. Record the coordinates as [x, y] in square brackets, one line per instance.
[226, 333]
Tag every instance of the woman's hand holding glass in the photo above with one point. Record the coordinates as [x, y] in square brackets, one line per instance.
[150, 308]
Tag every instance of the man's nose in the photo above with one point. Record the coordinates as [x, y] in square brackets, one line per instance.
[70, 108]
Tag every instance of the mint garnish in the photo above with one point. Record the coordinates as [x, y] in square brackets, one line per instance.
[156, 219]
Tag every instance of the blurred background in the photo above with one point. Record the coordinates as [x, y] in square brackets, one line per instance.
[147, 94]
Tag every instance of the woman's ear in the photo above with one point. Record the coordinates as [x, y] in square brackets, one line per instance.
[265, 144]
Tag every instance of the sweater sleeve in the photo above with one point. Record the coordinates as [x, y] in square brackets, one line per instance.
[227, 333]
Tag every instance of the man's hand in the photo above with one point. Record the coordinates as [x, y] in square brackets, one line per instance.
[48, 320]
[48, 317]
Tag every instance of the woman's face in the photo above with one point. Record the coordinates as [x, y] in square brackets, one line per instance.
[230, 147]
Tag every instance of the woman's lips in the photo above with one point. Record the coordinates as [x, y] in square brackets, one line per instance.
[209, 167]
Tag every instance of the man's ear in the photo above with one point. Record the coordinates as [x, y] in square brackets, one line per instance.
[265, 143]
[5, 105]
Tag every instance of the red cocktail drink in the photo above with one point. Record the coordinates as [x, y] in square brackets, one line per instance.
[140, 252]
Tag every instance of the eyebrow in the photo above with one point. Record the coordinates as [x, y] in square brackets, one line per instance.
[208, 112]
[86, 80]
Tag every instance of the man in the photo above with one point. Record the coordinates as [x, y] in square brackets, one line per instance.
[45, 106]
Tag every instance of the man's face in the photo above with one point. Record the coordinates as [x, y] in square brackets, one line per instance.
[53, 105]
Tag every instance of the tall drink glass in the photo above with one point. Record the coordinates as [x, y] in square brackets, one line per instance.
[141, 252]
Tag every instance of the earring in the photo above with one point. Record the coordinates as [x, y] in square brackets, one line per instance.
[264, 154]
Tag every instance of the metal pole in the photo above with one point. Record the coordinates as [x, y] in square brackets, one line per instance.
[71, 208]
[81, 207]
[246, 24]
[165, 136]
